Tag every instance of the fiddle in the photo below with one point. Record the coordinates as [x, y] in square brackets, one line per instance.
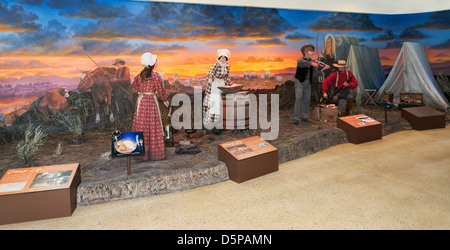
[321, 64]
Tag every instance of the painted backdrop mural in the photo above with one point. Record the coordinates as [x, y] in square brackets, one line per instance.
[41, 40]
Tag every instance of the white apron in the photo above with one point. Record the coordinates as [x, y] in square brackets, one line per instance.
[215, 99]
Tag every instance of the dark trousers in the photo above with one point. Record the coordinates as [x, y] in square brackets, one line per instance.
[342, 99]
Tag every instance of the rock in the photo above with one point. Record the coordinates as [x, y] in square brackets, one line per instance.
[309, 143]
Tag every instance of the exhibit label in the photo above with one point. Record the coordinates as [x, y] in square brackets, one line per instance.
[359, 120]
[37, 178]
[248, 147]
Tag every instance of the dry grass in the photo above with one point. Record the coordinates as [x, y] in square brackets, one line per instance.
[30, 144]
[75, 126]
[444, 84]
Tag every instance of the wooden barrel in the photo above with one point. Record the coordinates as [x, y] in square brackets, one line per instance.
[236, 101]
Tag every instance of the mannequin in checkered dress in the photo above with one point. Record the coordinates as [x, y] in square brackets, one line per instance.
[217, 76]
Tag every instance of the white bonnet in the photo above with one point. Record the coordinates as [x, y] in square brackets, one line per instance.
[148, 59]
[223, 52]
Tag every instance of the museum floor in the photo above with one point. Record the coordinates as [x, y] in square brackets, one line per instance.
[399, 182]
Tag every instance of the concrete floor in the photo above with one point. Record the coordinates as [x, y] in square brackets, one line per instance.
[399, 182]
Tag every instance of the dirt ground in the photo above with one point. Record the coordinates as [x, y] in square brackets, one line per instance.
[94, 154]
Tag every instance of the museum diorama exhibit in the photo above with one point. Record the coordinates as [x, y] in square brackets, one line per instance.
[110, 100]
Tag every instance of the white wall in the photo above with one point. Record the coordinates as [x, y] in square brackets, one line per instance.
[356, 6]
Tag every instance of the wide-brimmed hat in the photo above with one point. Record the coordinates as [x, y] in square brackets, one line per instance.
[341, 64]
[119, 60]
[306, 47]
[223, 52]
[148, 59]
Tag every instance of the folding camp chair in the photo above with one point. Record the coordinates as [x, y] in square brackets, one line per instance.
[370, 93]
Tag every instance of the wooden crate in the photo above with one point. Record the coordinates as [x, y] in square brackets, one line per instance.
[410, 100]
[325, 113]
[388, 96]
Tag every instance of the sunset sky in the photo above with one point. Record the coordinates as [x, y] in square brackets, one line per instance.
[39, 37]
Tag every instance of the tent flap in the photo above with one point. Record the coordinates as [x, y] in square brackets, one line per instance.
[365, 64]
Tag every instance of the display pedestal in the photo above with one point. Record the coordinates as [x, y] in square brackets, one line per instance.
[37, 193]
[360, 128]
[424, 117]
[248, 158]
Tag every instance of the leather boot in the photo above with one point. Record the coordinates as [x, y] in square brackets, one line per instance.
[348, 108]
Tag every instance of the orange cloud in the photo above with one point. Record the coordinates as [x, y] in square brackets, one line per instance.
[263, 59]
[185, 63]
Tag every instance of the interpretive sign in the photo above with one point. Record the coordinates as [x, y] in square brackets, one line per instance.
[127, 144]
[248, 158]
[38, 192]
[248, 147]
[360, 128]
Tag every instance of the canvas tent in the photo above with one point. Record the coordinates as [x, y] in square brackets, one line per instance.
[365, 64]
[412, 74]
